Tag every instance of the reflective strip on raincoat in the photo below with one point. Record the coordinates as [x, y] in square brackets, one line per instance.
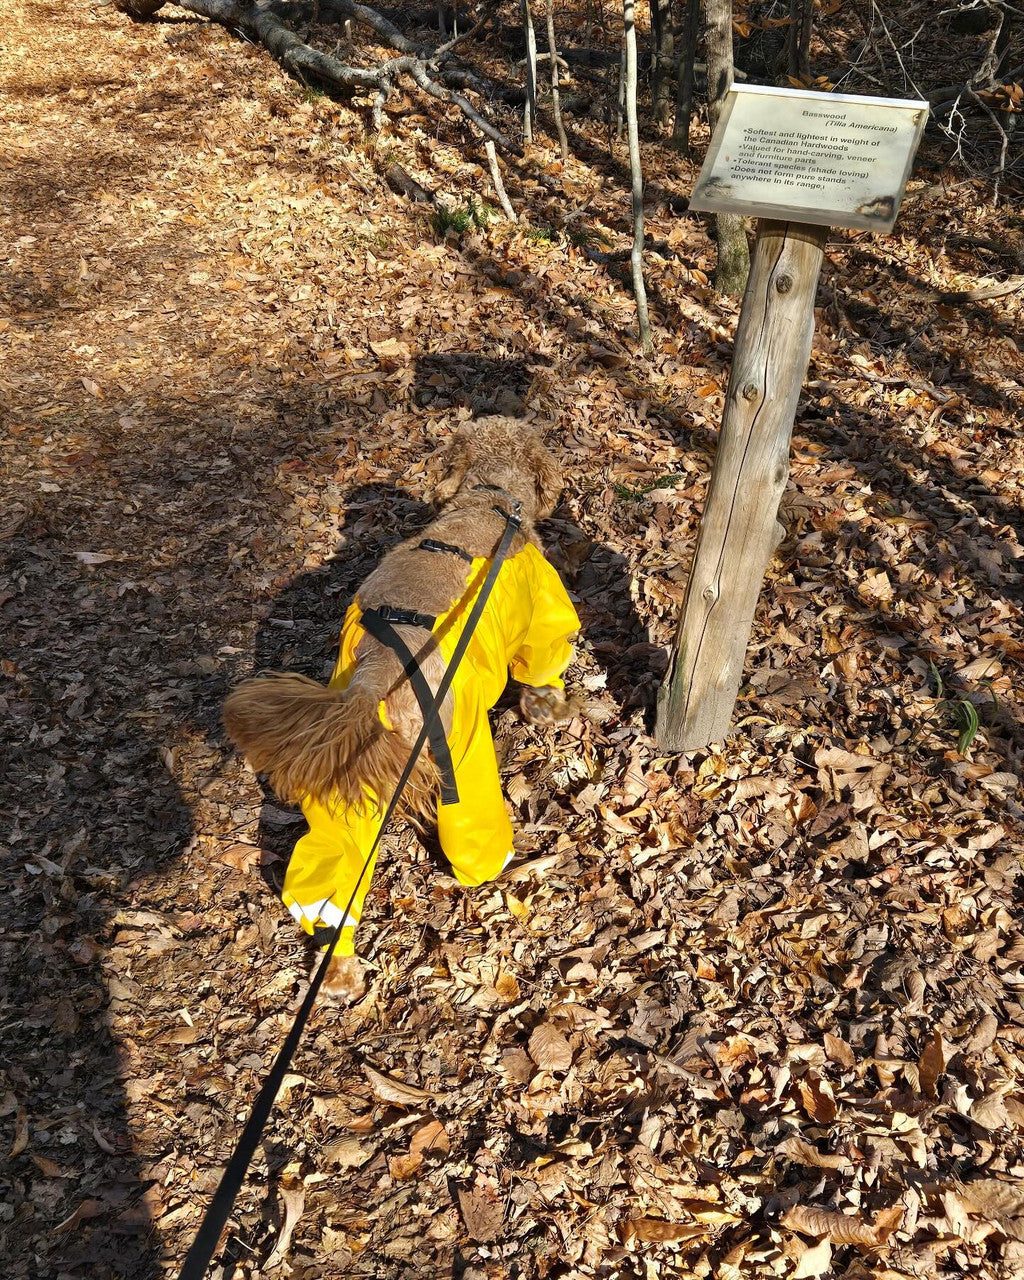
[525, 629]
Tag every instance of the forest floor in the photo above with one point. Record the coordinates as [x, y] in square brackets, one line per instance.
[751, 1011]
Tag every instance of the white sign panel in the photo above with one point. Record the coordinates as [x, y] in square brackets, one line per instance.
[827, 158]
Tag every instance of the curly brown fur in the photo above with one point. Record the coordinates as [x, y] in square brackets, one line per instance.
[546, 707]
[330, 744]
[321, 742]
[345, 980]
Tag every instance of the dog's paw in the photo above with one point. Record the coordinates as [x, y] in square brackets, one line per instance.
[345, 981]
[546, 707]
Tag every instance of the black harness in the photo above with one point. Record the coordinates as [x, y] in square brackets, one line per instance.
[381, 622]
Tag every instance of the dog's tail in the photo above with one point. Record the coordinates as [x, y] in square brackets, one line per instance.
[325, 743]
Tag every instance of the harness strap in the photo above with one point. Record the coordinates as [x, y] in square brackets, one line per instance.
[403, 617]
[432, 544]
[378, 623]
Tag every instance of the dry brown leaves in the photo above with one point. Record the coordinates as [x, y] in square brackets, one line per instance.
[754, 1012]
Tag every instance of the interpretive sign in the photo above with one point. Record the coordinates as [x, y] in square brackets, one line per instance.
[830, 159]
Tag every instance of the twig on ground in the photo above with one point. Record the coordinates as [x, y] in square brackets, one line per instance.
[499, 186]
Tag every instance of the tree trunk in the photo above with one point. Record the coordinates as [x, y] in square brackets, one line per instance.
[739, 529]
[139, 10]
[801, 17]
[662, 59]
[620, 111]
[633, 136]
[556, 105]
[1005, 43]
[530, 106]
[686, 77]
[733, 255]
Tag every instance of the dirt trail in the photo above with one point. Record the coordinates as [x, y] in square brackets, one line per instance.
[786, 972]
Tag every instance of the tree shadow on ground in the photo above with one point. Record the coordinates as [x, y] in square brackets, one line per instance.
[465, 379]
[93, 806]
[125, 591]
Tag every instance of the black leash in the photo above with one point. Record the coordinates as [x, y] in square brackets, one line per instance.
[200, 1255]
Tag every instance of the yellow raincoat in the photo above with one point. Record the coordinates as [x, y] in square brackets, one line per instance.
[525, 627]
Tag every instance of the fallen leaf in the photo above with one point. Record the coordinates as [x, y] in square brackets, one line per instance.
[240, 856]
[391, 350]
[86, 1210]
[94, 557]
[804, 1152]
[819, 1103]
[293, 1193]
[653, 1230]
[1002, 1203]
[388, 1089]
[815, 1261]
[405, 1167]
[345, 1153]
[272, 816]
[430, 1137]
[932, 1063]
[843, 1228]
[482, 1214]
[507, 987]
[20, 1133]
[549, 1048]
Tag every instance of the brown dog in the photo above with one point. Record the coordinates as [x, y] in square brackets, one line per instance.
[340, 750]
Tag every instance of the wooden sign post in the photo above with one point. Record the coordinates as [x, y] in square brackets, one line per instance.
[802, 162]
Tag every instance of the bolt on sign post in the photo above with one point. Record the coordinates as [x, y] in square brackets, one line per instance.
[801, 162]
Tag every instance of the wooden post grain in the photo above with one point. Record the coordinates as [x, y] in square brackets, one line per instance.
[739, 530]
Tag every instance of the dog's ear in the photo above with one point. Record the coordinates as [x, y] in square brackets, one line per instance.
[548, 480]
[456, 460]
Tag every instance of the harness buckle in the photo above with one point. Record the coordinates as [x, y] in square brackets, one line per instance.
[402, 617]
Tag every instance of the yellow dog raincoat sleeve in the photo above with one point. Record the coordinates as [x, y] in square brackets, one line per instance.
[525, 627]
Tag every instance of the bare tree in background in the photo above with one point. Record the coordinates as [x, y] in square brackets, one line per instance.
[636, 259]
[556, 106]
[662, 59]
[620, 110]
[685, 77]
[801, 17]
[733, 255]
[530, 106]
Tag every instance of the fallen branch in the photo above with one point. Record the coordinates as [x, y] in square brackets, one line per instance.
[939, 99]
[606, 256]
[402, 183]
[981, 294]
[375, 21]
[1000, 248]
[261, 22]
[419, 73]
[499, 186]
[546, 57]
[426, 60]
